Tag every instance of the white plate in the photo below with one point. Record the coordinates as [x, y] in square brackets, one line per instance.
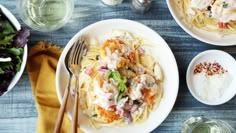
[202, 35]
[161, 52]
[17, 25]
[226, 61]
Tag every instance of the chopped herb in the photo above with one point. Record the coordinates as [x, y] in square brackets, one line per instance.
[225, 5]
[210, 14]
[119, 96]
[129, 68]
[120, 81]
[122, 87]
[95, 115]
[97, 57]
[137, 102]
[150, 84]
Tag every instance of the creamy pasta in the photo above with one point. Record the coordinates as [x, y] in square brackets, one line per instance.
[210, 15]
[120, 82]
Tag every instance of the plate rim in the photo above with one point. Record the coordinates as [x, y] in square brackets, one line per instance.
[69, 44]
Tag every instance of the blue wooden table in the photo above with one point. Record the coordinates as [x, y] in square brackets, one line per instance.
[17, 109]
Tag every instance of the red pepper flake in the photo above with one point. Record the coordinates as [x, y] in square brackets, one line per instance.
[209, 68]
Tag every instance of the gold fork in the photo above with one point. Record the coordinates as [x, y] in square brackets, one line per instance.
[72, 63]
[75, 67]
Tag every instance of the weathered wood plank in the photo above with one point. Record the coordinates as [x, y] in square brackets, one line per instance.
[18, 125]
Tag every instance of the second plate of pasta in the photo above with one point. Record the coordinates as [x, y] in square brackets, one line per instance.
[128, 81]
[210, 21]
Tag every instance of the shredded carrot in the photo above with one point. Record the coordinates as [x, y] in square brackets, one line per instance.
[109, 116]
[147, 97]
[112, 45]
[99, 80]
[131, 57]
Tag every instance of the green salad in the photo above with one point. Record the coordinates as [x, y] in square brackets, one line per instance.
[12, 44]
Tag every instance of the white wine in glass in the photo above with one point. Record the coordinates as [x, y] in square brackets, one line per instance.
[45, 15]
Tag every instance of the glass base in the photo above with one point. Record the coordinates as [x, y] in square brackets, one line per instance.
[111, 3]
[203, 125]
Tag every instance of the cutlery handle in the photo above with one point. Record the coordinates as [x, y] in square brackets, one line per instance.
[60, 115]
[75, 114]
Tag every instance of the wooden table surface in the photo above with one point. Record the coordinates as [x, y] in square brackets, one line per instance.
[17, 109]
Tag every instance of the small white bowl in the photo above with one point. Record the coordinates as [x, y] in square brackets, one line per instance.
[17, 25]
[226, 61]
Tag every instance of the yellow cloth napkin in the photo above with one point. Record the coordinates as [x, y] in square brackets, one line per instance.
[41, 67]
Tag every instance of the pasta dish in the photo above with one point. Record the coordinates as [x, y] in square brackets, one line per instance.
[120, 82]
[210, 15]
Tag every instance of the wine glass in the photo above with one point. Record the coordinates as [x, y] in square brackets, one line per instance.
[45, 15]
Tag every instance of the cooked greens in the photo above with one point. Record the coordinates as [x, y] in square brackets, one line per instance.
[12, 43]
[120, 81]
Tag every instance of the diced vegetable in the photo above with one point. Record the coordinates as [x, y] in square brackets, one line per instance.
[222, 25]
[88, 71]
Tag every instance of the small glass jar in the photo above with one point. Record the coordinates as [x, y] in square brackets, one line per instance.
[112, 2]
[141, 6]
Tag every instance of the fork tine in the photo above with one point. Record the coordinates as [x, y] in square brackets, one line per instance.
[73, 54]
[81, 50]
[77, 55]
[70, 61]
[78, 51]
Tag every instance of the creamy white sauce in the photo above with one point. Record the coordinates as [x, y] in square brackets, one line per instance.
[121, 103]
[103, 98]
[135, 92]
[112, 59]
[211, 87]
[157, 72]
[124, 36]
[224, 14]
[147, 82]
[223, 10]
[125, 49]
[200, 4]
[139, 110]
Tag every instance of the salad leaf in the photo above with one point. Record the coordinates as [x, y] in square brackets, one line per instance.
[6, 40]
[6, 66]
[7, 28]
[20, 39]
[14, 51]
[1, 71]
[5, 80]
[7, 31]
[18, 65]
